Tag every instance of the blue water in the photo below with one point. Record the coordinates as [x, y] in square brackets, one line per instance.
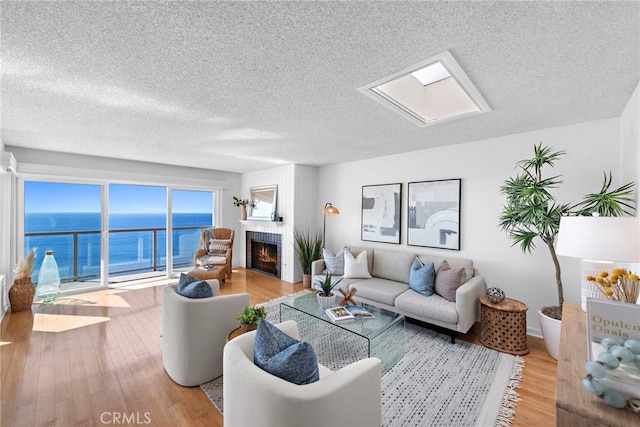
[129, 251]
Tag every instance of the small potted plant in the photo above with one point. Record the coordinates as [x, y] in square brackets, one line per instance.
[243, 203]
[325, 297]
[250, 317]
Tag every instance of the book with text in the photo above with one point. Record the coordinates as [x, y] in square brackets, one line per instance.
[619, 322]
[359, 312]
[338, 313]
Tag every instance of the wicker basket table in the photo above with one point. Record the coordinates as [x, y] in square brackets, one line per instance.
[503, 326]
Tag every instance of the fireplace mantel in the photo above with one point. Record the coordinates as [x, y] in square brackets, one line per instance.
[260, 222]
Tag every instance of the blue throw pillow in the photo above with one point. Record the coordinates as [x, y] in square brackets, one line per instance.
[284, 356]
[422, 277]
[191, 287]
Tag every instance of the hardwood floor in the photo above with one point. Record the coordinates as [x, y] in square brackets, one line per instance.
[95, 359]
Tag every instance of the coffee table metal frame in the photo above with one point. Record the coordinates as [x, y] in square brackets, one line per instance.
[381, 337]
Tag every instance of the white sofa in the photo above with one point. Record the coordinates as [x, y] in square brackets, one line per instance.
[389, 288]
[351, 396]
[194, 332]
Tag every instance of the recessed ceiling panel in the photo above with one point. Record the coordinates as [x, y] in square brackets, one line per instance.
[430, 92]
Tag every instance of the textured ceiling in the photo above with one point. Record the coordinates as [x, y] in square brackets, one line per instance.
[242, 86]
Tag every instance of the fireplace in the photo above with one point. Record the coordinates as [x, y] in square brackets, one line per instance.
[264, 252]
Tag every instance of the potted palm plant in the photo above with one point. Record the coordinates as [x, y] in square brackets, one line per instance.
[325, 297]
[532, 211]
[308, 249]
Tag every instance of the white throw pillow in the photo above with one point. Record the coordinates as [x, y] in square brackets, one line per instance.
[356, 268]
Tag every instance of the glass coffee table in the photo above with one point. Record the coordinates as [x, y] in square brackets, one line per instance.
[338, 344]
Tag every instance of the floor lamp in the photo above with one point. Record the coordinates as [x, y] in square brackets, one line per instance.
[599, 242]
[329, 209]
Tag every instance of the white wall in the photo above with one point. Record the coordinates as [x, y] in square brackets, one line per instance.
[295, 204]
[630, 141]
[484, 165]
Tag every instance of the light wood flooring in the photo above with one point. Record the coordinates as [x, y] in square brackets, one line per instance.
[95, 359]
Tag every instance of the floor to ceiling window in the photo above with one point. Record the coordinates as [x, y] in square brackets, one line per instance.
[190, 212]
[137, 230]
[67, 218]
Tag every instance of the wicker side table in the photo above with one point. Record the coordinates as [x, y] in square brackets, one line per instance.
[503, 326]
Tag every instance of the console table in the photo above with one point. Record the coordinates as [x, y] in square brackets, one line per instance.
[574, 406]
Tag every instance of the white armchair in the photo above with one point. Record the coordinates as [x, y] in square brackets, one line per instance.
[350, 396]
[194, 332]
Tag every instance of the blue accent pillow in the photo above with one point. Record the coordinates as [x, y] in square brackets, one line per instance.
[422, 277]
[191, 287]
[284, 356]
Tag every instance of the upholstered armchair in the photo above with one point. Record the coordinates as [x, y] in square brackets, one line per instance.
[194, 332]
[350, 396]
[216, 248]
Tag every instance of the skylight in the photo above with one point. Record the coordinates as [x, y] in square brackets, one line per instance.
[431, 73]
[430, 92]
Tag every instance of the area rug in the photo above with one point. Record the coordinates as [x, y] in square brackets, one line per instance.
[436, 383]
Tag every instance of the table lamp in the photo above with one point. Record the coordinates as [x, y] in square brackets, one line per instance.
[599, 242]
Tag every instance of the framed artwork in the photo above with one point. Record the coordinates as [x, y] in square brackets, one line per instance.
[381, 206]
[434, 214]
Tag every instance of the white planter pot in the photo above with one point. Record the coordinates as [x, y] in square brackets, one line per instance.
[551, 334]
[326, 302]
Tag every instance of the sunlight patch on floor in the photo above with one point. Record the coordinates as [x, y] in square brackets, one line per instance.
[162, 282]
[63, 322]
[102, 298]
[4, 343]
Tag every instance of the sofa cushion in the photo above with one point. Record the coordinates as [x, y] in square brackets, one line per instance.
[422, 277]
[380, 290]
[392, 265]
[334, 262]
[356, 250]
[190, 287]
[219, 247]
[212, 260]
[283, 356]
[448, 280]
[357, 267]
[465, 263]
[432, 307]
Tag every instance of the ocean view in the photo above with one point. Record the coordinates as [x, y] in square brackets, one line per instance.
[129, 251]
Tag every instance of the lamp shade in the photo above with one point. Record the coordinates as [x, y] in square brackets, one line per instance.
[600, 238]
[329, 209]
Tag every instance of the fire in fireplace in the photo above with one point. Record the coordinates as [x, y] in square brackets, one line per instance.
[264, 257]
[263, 252]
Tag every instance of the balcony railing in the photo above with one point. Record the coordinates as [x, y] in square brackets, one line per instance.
[132, 250]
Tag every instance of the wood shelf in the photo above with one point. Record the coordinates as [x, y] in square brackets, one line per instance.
[260, 222]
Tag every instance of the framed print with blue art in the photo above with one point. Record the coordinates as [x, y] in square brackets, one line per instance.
[434, 214]
[381, 206]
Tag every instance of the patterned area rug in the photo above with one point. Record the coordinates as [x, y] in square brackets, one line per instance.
[436, 383]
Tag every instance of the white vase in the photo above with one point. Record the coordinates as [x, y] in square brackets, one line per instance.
[551, 333]
[590, 289]
[326, 302]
